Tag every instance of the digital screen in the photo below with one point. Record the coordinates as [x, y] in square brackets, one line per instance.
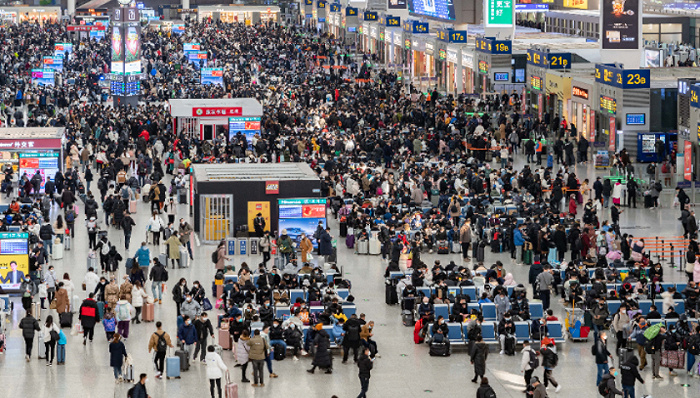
[535, 82]
[483, 67]
[579, 92]
[397, 4]
[352, 29]
[652, 58]
[299, 216]
[212, 76]
[501, 77]
[531, 7]
[55, 63]
[442, 9]
[636, 119]
[97, 34]
[498, 12]
[608, 104]
[43, 77]
[178, 29]
[117, 51]
[191, 47]
[197, 57]
[44, 162]
[14, 246]
[132, 61]
[621, 20]
[14, 259]
[248, 126]
[520, 76]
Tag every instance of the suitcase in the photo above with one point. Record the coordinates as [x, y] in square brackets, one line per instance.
[184, 257]
[231, 388]
[128, 373]
[225, 339]
[218, 349]
[362, 247]
[443, 247]
[75, 304]
[375, 247]
[148, 314]
[509, 346]
[439, 350]
[145, 190]
[92, 262]
[182, 196]
[456, 247]
[172, 367]
[40, 352]
[673, 359]
[66, 242]
[66, 319]
[163, 258]
[527, 257]
[279, 352]
[36, 310]
[648, 201]
[480, 253]
[101, 309]
[392, 296]
[624, 355]
[57, 251]
[132, 206]
[184, 360]
[129, 264]
[343, 229]
[408, 318]
[333, 258]
[350, 241]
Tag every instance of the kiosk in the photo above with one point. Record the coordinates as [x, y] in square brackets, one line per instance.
[207, 117]
[227, 197]
[29, 149]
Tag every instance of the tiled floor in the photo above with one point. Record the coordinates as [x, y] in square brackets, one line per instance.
[404, 369]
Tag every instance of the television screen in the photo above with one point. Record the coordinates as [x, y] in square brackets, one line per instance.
[442, 9]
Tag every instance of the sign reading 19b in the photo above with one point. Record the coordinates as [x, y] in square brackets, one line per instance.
[502, 47]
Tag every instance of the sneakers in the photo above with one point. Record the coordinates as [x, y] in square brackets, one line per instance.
[296, 358]
[672, 373]
[376, 355]
[502, 352]
[158, 376]
[558, 388]
[245, 381]
[26, 357]
[273, 376]
[304, 353]
[204, 361]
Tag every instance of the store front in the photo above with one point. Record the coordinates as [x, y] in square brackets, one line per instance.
[558, 91]
[449, 68]
[468, 73]
[493, 58]
[429, 71]
[31, 149]
[543, 99]
[209, 118]
[416, 57]
[393, 42]
[321, 15]
[333, 20]
[582, 113]
[453, 70]
[15, 15]
[249, 15]
[374, 39]
[351, 27]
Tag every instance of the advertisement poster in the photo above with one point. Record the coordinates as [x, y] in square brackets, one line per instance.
[613, 134]
[258, 207]
[580, 4]
[198, 58]
[212, 76]
[14, 259]
[621, 20]
[397, 4]
[248, 126]
[301, 215]
[44, 162]
[132, 57]
[442, 9]
[499, 12]
[687, 164]
[652, 58]
[178, 29]
[117, 51]
[43, 77]
[55, 63]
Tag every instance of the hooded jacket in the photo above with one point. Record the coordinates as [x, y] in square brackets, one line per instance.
[630, 372]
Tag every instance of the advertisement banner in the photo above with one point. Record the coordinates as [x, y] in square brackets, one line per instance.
[46, 163]
[117, 51]
[442, 9]
[687, 164]
[43, 77]
[397, 4]
[272, 187]
[299, 216]
[580, 4]
[499, 13]
[621, 19]
[613, 134]
[540, 106]
[258, 207]
[212, 76]
[14, 259]
[132, 56]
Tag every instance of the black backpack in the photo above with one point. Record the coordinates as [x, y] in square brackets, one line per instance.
[603, 388]
[161, 345]
[534, 361]
[130, 393]
[215, 256]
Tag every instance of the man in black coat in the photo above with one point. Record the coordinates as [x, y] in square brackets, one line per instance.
[88, 315]
[204, 329]
[352, 337]
[598, 188]
[365, 363]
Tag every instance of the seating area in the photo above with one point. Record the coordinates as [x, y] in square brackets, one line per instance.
[457, 332]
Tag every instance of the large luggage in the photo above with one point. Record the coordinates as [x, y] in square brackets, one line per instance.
[443, 247]
[509, 346]
[128, 372]
[225, 339]
[350, 241]
[36, 310]
[408, 318]
[172, 366]
[129, 264]
[648, 201]
[333, 258]
[624, 355]
[184, 257]
[375, 247]
[480, 253]
[163, 258]
[101, 309]
[527, 257]
[279, 352]
[66, 242]
[132, 206]
[363, 246]
[439, 350]
[673, 359]
[145, 190]
[66, 319]
[392, 297]
[148, 314]
[231, 388]
[184, 360]
[57, 253]
[343, 229]
[182, 195]
[92, 261]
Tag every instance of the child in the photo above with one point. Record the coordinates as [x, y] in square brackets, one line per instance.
[61, 349]
[338, 331]
[109, 323]
[43, 293]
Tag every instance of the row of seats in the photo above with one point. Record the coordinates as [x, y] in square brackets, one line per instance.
[458, 332]
[285, 312]
[645, 306]
[488, 310]
[300, 277]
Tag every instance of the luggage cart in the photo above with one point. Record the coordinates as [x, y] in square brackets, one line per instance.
[575, 326]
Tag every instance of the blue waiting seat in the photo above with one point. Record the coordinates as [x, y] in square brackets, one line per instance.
[453, 292]
[522, 332]
[536, 311]
[233, 278]
[488, 310]
[679, 305]
[294, 294]
[441, 309]
[316, 310]
[281, 312]
[681, 286]
[343, 293]
[645, 306]
[454, 333]
[555, 331]
[671, 322]
[349, 310]
[613, 307]
[666, 285]
[329, 330]
[488, 331]
[423, 291]
[396, 275]
[330, 277]
[469, 291]
[473, 306]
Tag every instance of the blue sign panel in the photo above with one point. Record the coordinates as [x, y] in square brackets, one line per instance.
[622, 78]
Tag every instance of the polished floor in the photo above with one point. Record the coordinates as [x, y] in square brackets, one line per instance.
[404, 369]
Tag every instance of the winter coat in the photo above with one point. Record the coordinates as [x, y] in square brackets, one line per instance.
[46, 332]
[258, 348]
[117, 353]
[629, 372]
[187, 333]
[306, 248]
[190, 308]
[479, 354]
[174, 247]
[215, 366]
[143, 256]
[221, 257]
[88, 313]
[365, 364]
[29, 326]
[326, 244]
[667, 301]
[137, 296]
[62, 301]
[91, 280]
[242, 350]
[125, 290]
[322, 356]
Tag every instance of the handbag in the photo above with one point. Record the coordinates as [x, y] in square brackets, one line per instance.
[309, 256]
[206, 304]
[54, 335]
[84, 286]
[53, 305]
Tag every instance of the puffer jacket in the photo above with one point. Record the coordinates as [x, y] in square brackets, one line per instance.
[242, 351]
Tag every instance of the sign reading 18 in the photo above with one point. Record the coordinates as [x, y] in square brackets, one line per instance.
[501, 47]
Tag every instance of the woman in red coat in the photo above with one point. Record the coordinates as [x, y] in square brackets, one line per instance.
[572, 205]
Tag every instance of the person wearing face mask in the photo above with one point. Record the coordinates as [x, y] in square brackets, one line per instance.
[203, 325]
[190, 308]
[197, 292]
[366, 335]
[607, 384]
[179, 293]
[187, 335]
[600, 314]
[600, 350]
[29, 290]
[139, 389]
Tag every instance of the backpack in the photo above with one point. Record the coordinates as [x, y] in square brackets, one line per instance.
[694, 345]
[603, 388]
[130, 393]
[105, 248]
[70, 216]
[161, 345]
[123, 312]
[555, 359]
[490, 393]
[652, 331]
[658, 187]
[454, 209]
[215, 256]
[534, 362]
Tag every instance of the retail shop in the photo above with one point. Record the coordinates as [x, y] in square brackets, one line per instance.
[15, 15]
[542, 99]
[249, 15]
[333, 20]
[558, 92]
[450, 44]
[321, 15]
[415, 57]
[209, 117]
[32, 149]
[583, 93]
[227, 197]
[351, 25]
[468, 73]
[493, 59]
[393, 41]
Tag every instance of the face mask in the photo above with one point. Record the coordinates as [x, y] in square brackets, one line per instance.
[27, 279]
[189, 299]
[196, 285]
[204, 319]
[187, 323]
[615, 374]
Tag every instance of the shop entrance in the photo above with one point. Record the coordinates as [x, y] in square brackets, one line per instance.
[216, 217]
[211, 131]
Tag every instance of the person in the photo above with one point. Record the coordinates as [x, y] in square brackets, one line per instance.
[284, 245]
[653, 348]
[155, 225]
[258, 348]
[538, 389]
[600, 350]
[465, 239]
[117, 354]
[61, 348]
[88, 315]
[190, 307]
[29, 290]
[352, 337]
[127, 224]
[204, 329]
[366, 336]
[485, 390]
[306, 247]
[159, 342]
[122, 311]
[265, 247]
[619, 323]
[322, 354]
[545, 280]
[365, 364]
[180, 293]
[479, 354]
[187, 334]
[221, 255]
[143, 255]
[241, 353]
[29, 326]
[91, 280]
[259, 224]
[158, 276]
[51, 336]
[609, 382]
[185, 230]
[549, 362]
[138, 294]
[215, 370]
[529, 362]
[630, 374]
[173, 243]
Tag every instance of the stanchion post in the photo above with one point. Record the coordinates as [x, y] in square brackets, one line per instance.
[673, 263]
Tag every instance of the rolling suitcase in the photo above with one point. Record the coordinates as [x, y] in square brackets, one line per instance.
[363, 247]
[225, 339]
[480, 252]
[172, 367]
[439, 350]
[163, 258]
[350, 241]
[231, 387]
[375, 247]
[343, 229]
[510, 345]
[101, 309]
[184, 257]
[128, 372]
[36, 310]
[132, 206]
[624, 355]
[92, 260]
[66, 319]
[392, 297]
[184, 360]
[57, 253]
[148, 314]
[218, 349]
[66, 242]
[443, 247]
[129, 264]
[408, 318]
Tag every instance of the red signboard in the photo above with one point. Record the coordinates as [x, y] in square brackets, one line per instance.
[30, 144]
[272, 187]
[687, 164]
[523, 105]
[313, 211]
[84, 28]
[540, 106]
[613, 133]
[217, 111]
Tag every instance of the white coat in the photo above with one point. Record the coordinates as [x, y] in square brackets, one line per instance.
[137, 296]
[242, 350]
[215, 366]
[46, 332]
[91, 281]
[668, 301]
